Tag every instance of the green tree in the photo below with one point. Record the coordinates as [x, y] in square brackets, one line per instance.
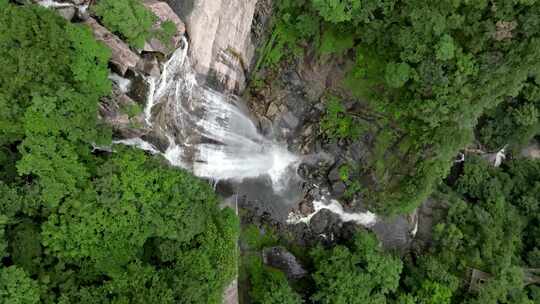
[56, 96]
[133, 21]
[17, 287]
[434, 293]
[445, 48]
[445, 65]
[397, 74]
[360, 274]
[269, 286]
[128, 18]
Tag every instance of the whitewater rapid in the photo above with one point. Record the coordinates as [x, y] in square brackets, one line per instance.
[366, 219]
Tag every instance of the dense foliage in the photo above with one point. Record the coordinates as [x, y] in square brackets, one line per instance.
[268, 285]
[427, 70]
[362, 273]
[489, 227]
[487, 224]
[514, 122]
[76, 227]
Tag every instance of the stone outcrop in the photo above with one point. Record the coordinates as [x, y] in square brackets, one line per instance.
[123, 58]
[220, 37]
[230, 295]
[124, 126]
[278, 257]
[164, 13]
[68, 9]
[532, 151]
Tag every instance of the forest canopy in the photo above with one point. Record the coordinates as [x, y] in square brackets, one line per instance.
[428, 71]
[78, 226]
[84, 224]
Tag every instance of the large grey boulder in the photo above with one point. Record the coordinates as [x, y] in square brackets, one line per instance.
[122, 57]
[220, 35]
[278, 257]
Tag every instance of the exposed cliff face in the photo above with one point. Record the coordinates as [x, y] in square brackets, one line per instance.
[220, 37]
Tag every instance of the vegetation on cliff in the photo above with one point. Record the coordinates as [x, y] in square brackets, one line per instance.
[134, 22]
[428, 72]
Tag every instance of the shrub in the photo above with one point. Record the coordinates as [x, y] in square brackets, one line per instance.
[133, 21]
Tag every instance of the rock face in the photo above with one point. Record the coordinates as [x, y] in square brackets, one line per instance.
[164, 13]
[280, 258]
[394, 233]
[220, 35]
[122, 57]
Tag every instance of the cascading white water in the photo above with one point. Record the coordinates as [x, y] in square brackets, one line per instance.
[366, 219]
[206, 131]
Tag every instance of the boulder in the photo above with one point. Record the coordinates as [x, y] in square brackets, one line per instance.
[220, 36]
[230, 294]
[122, 57]
[272, 110]
[334, 174]
[325, 222]
[278, 257]
[532, 151]
[164, 13]
[67, 12]
[394, 233]
[149, 65]
[290, 121]
[338, 189]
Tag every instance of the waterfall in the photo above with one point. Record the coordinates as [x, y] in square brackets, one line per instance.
[207, 132]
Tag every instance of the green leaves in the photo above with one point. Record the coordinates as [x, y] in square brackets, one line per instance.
[135, 201]
[89, 67]
[397, 74]
[128, 18]
[269, 286]
[434, 293]
[337, 123]
[118, 228]
[334, 41]
[445, 48]
[16, 287]
[55, 74]
[133, 21]
[336, 11]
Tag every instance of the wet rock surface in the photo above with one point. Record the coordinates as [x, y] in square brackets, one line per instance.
[294, 101]
[280, 258]
[394, 233]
